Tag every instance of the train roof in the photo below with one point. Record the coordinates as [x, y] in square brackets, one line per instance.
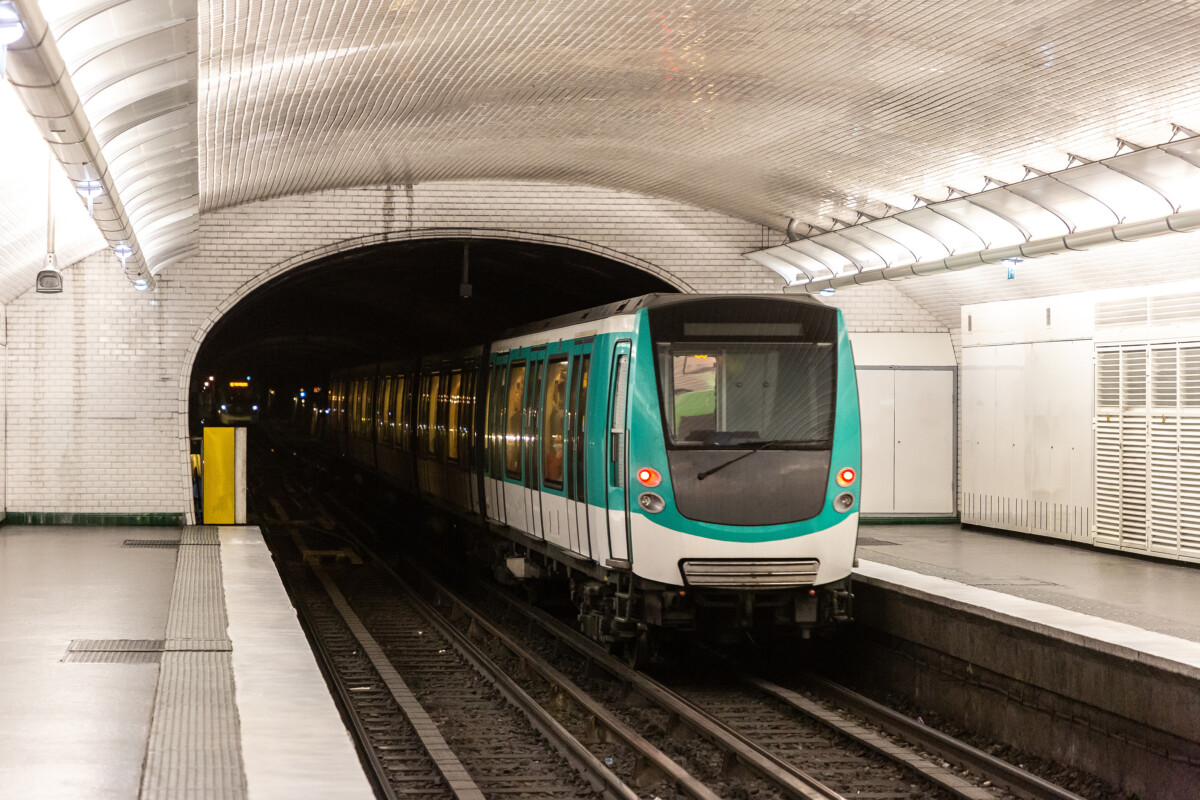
[633, 304]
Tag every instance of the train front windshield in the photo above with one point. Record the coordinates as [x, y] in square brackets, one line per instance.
[720, 394]
[727, 380]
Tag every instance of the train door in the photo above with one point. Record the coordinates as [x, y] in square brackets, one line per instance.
[552, 461]
[493, 431]
[575, 451]
[532, 439]
[511, 430]
[618, 453]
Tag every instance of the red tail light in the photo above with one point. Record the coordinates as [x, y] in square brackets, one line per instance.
[648, 476]
[846, 477]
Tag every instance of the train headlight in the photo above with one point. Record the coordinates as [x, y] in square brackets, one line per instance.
[651, 503]
[844, 502]
[649, 476]
[846, 477]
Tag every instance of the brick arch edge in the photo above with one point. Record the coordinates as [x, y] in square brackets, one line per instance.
[344, 245]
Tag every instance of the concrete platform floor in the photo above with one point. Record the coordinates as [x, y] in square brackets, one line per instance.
[225, 700]
[1152, 595]
[72, 730]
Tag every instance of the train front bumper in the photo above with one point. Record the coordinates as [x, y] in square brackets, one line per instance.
[682, 559]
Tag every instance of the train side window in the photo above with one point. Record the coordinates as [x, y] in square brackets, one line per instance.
[514, 403]
[356, 408]
[431, 413]
[390, 421]
[366, 411]
[467, 415]
[383, 409]
[454, 398]
[494, 414]
[398, 413]
[553, 421]
[422, 406]
[579, 430]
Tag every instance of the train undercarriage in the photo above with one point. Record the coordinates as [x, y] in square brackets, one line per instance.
[636, 617]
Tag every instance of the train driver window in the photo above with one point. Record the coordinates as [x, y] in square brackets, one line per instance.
[513, 419]
[695, 393]
[552, 436]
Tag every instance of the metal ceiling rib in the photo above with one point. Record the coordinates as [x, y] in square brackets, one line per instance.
[1131, 195]
[112, 84]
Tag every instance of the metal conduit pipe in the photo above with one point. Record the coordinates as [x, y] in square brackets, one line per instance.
[39, 75]
[1128, 232]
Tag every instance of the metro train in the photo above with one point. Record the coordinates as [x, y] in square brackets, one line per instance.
[229, 402]
[689, 462]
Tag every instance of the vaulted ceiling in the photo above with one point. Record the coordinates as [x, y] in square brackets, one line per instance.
[766, 111]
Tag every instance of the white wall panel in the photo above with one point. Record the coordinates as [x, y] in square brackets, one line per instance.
[978, 408]
[908, 441]
[924, 427]
[877, 408]
[1026, 417]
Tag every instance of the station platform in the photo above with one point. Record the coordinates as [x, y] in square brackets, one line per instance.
[159, 663]
[1131, 607]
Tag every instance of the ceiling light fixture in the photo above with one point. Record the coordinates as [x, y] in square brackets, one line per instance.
[50, 278]
[90, 190]
[11, 29]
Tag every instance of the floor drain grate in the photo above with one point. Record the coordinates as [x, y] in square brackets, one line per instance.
[151, 543]
[866, 541]
[114, 651]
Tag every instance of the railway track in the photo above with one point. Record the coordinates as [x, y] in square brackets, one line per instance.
[722, 734]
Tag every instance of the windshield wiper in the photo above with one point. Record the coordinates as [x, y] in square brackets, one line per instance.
[754, 448]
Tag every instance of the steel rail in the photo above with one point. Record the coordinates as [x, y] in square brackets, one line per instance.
[1000, 772]
[576, 754]
[379, 775]
[459, 783]
[792, 780]
[650, 755]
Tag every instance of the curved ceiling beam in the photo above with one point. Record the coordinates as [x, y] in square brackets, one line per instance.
[1140, 185]
[38, 72]
[117, 75]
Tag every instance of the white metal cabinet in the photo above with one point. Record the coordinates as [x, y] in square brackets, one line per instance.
[1027, 437]
[877, 409]
[908, 441]
[924, 471]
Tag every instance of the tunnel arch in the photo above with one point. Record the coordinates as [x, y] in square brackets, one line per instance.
[314, 258]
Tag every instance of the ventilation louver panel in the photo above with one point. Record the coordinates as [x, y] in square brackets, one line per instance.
[1124, 313]
[1189, 487]
[1147, 447]
[1164, 484]
[1175, 308]
[1108, 378]
[1108, 482]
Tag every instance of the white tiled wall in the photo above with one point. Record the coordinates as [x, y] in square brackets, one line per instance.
[97, 376]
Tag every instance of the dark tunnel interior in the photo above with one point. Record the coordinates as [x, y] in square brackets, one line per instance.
[397, 301]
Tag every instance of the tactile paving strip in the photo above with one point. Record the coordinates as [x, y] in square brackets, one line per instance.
[200, 534]
[195, 743]
[150, 543]
[114, 651]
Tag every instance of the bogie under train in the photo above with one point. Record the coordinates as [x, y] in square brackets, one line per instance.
[689, 462]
